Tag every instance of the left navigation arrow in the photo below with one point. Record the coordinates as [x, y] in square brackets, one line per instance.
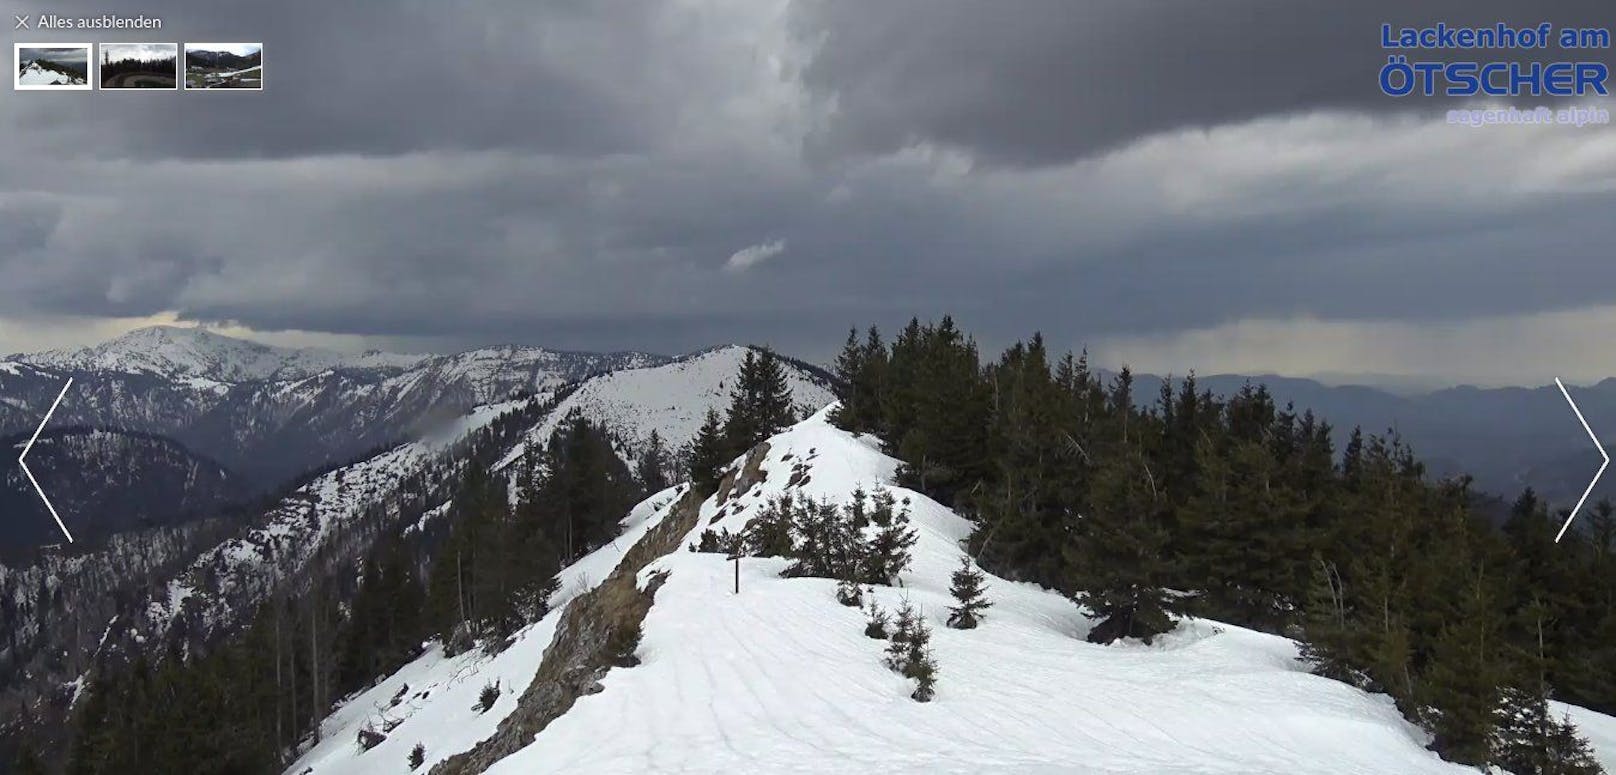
[22, 460]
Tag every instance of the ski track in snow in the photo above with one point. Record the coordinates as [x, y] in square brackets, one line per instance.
[781, 678]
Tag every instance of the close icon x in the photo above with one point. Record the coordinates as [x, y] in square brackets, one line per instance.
[22, 22]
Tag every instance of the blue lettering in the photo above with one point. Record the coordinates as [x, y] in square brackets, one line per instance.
[1592, 75]
[1488, 82]
[1464, 75]
[1530, 81]
[1557, 79]
[1427, 75]
[1397, 66]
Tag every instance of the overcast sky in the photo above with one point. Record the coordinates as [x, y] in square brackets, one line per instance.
[118, 52]
[1208, 184]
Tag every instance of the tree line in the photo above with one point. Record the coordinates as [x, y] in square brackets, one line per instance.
[1241, 510]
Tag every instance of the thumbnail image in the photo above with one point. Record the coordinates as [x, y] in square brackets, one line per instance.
[224, 65]
[53, 66]
[140, 65]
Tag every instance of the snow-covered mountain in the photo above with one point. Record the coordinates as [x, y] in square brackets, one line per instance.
[273, 413]
[229, 580]
[43, 73]
[781, 677]
[208, 590]
[195, 353]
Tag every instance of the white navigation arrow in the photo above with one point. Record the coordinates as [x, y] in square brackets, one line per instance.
[22, 460]
[1597, 474]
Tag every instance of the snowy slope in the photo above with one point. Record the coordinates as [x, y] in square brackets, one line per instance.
[44, 74]
[436, 694]
[780, 678]
[229, 580]
[671, 399]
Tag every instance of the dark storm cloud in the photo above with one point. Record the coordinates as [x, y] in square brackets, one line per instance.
[386, 77]
[66, 56]
[1040, 81]
[580, 174]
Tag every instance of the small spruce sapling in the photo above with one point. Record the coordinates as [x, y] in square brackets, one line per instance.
[967, 590]
[417, 756]
[918, 662]
[487, 697]
[903, 629]
[876, 625]
[849, 593]
[923, 669]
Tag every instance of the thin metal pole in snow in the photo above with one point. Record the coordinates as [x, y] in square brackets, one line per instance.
[737, 559]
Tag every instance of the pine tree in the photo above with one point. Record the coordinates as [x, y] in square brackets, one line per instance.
[966, 587]
[708, 454]
[923, 668]
[915, 660]
[861, 371]
[760, 403]
[887, 554]
[769, 533]
[875, 625]
[1325, 645]
[1118, 555]
[652, 468]
[1530, 740]
[849, 593]
[903, 630]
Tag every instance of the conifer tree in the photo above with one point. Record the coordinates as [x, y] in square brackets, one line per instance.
[849, 593]
[903, 630]
[887, 554]
[769, 533]
[875, 625]
[1118, 556]
[652, 467]
[708, 454]
[760, 403]
[861, 371]
[919, 664]
[969, 603]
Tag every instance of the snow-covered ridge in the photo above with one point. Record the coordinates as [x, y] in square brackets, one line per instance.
[780, 678]
[42, 73]
[197, 353]
[671, 399]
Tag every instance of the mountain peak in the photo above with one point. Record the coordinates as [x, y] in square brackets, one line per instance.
[197, 353]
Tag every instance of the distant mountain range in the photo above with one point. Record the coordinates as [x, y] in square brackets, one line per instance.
[272, 413]
[361, 444]
[222, 60]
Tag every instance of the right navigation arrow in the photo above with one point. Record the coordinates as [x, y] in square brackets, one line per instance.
[1597, 474]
